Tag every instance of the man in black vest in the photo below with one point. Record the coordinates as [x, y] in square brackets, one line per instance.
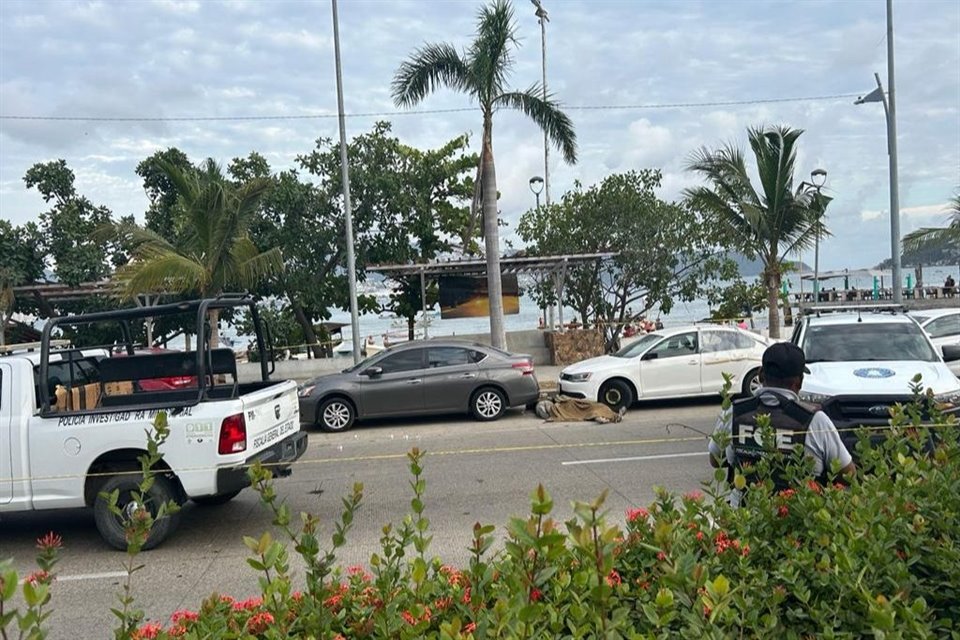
[795, 423]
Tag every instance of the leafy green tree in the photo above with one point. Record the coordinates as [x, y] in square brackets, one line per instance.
[408, 206]
[737, 300]
[68, 227]
[663, 250]
[21, 263]
[934, 236]
[481, 72]
[215, 253]
[161, 217]
[769, 223]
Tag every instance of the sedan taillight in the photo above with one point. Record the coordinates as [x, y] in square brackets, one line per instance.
[525, 367]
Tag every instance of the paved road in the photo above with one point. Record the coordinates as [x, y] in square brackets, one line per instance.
[474, 473]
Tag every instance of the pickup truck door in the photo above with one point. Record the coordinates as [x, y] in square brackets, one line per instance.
[6, 437]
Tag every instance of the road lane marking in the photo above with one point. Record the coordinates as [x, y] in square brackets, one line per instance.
[92, 576]
[661, 456]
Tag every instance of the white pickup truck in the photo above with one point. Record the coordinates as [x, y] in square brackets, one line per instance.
[73, 421]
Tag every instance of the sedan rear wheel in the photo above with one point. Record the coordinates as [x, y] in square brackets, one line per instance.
[752, 383]
[488, 404]
[336, 414]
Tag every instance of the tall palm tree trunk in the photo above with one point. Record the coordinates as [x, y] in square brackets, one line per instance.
[771, 277]
[491, 232]
[214, 316]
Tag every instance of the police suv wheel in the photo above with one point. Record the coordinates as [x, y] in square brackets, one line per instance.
[336, 414]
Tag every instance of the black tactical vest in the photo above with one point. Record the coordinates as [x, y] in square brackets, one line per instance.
[789, 419]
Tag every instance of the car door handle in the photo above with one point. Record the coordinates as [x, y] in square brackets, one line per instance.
[693, 362]
[468, 375]
[415, 381]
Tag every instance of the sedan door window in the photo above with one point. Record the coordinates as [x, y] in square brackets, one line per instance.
[684, 344]
[409, 360]
[448, 357]
[944, 327]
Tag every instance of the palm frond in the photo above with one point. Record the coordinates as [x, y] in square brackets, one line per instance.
[254, 266]
[931, 236]
[547, 115]
[161, 270]
[429, 68]
[489, 57]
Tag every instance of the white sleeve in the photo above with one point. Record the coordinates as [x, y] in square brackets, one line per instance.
[724, 425]
[826, 441]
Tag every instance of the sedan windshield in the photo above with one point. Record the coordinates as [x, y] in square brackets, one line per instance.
[635, 349]
[867, 341]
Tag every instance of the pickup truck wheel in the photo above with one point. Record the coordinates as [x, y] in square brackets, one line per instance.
[336, 414]
[111, 527]
[617, 395]
[488, 404]
[220, 498]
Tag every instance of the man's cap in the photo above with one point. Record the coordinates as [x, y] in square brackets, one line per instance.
[784, 360]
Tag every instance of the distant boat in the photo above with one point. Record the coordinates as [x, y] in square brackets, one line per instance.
[344, 348]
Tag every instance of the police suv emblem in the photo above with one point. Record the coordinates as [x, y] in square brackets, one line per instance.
[874, 373]
[276, 411]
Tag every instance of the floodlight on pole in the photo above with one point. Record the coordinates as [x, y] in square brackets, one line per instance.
[890, 111]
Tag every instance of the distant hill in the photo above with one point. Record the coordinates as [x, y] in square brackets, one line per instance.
[755, 267]
[943, 254]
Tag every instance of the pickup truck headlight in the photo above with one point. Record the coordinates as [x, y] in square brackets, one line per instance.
[948, 400]
[303, 392]
[576, 377]
[815, 398]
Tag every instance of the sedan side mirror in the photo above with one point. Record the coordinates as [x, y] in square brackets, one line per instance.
[650, 356]
[951, 352]
[372, 372]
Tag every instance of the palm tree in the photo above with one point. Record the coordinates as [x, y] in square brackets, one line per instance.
[769, 224]
[926, 237]
[215, 253]
[481, 72]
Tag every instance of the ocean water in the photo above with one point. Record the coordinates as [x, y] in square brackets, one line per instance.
[682, 312]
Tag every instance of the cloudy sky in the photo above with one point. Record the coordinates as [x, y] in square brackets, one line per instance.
[162, 59]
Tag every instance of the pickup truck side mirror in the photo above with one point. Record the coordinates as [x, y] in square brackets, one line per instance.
[650, 355]
[951, 352]
[372, 372]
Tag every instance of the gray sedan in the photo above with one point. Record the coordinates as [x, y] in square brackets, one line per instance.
[421, 378]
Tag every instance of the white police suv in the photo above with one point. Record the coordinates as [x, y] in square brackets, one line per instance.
[861, 363]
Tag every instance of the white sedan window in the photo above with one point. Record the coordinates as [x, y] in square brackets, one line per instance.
[684, 344]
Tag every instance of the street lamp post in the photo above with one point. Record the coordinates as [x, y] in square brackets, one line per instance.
[536, 186]
[541, 14]
[345, 174]
[818, 177]
[890, 110]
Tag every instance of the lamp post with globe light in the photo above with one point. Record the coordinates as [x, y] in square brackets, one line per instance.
[818, 177]
[536, 186]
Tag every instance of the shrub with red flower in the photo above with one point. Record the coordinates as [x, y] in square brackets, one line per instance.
[259, 622]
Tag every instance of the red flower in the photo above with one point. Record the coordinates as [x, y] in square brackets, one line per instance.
[745, 551]
[49, 541]
[470, 627]
[466, 596]
[406, 615]
[694, 496]
[699, 535]
[613, 578]
[259, 622]
[814, 486]
[147, 631]
[39, 577]
[333, 601]
[644, 585]
[637, 514]
[786, 494]
[535, 595]
[661, 556]
[707, 611]
[783, 511]
[442, 603]
[248, 605]
[184, 616]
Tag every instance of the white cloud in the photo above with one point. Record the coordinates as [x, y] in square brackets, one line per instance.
[871, 215]
[926, 211]
[178, 6]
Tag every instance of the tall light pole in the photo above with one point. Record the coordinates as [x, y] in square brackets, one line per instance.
[536, 186]
[541, 14]
[818, 177]
[890, 110]
[345, 174]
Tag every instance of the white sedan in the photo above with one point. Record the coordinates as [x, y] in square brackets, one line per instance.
[669, 363]
[943, 327]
